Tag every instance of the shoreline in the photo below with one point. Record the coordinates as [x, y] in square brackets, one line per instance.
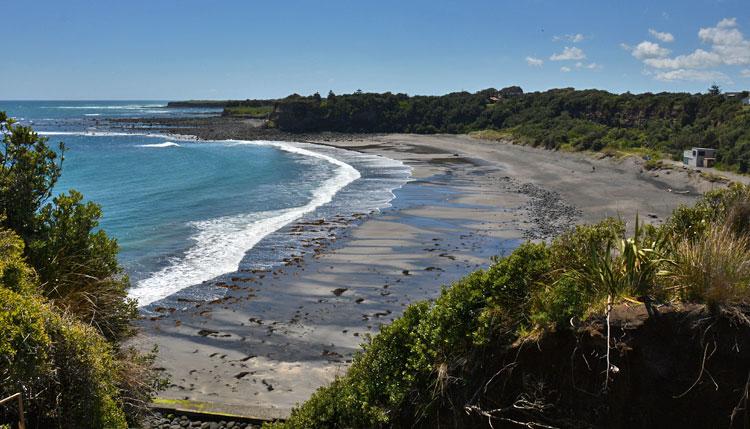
[235, 245]
[278, 335]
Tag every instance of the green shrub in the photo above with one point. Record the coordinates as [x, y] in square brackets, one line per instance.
[572, 250]
[25, 342]
[714, 268]
[16, 276]
[78, 265]
[63, 368]
[403, 366]
[561, 302]
[510, 284]
[715, 207]
[380, 379]
[69, 375]
[64, 314]
[76, 262]
[403, 371]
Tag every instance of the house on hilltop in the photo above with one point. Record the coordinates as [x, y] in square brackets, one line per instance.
[511, 91]
[699, 157]
[743, 96]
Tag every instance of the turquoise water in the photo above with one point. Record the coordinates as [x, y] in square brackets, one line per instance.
[186, 211]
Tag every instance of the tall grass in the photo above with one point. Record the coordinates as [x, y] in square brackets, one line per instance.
[714, 269]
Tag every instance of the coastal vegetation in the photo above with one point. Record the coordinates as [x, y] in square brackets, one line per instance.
[64, 311]
[598, 328]
[261, 112]
[218, 104]
[664, 123]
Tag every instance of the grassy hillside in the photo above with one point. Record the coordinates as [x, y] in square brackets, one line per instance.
[596, 329]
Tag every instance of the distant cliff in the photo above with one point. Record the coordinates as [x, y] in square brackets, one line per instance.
[199, 103]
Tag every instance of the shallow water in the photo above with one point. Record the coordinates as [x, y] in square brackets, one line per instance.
[186, 211]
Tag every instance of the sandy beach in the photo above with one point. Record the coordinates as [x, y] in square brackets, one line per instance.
[277, 336]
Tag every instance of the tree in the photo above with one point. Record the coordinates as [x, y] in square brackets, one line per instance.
[714, 90]
[68, 358]
[29, 169]
[76, 263]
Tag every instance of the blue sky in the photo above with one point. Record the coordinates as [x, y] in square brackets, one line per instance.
[178, 49]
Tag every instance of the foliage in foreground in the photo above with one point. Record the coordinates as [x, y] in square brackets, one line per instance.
[64, 311]
[403, 369]
[62, 366]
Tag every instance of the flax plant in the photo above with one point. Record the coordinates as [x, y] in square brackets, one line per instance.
[626, 267]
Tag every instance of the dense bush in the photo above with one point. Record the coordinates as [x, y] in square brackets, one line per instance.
[555, 119]
[76, 263]
[403, 371]
[63, 367]
[64, 310]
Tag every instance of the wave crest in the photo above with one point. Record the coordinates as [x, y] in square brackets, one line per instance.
[165, 144]
[221, 243]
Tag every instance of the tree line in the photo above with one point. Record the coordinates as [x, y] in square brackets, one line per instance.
[557, 118]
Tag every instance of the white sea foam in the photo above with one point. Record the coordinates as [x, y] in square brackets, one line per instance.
[165, 144]
[182, 137]
[114, 107]
[84, 133]
[221, 243]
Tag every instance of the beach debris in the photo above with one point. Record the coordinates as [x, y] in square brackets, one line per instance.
[331, 354]
[338, 291]
[268, 385]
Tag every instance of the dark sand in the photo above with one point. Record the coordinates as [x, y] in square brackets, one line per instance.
[277, 336]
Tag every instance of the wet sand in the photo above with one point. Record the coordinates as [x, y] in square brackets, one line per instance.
[277, 336]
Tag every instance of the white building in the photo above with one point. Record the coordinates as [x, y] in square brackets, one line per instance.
[746, 101]
[699, 157]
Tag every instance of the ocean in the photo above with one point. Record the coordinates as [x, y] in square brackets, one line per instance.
[187, 212]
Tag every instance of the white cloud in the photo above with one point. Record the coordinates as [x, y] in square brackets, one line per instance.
[725, 46]
[728, 46]
[696, 60]
[569, 53]
[648, 49]
[564, 69]
[727, 22]
[727, 41]
[589, 66]
[662, 37]
[693, 75]
[574, 38]
[534, 62]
